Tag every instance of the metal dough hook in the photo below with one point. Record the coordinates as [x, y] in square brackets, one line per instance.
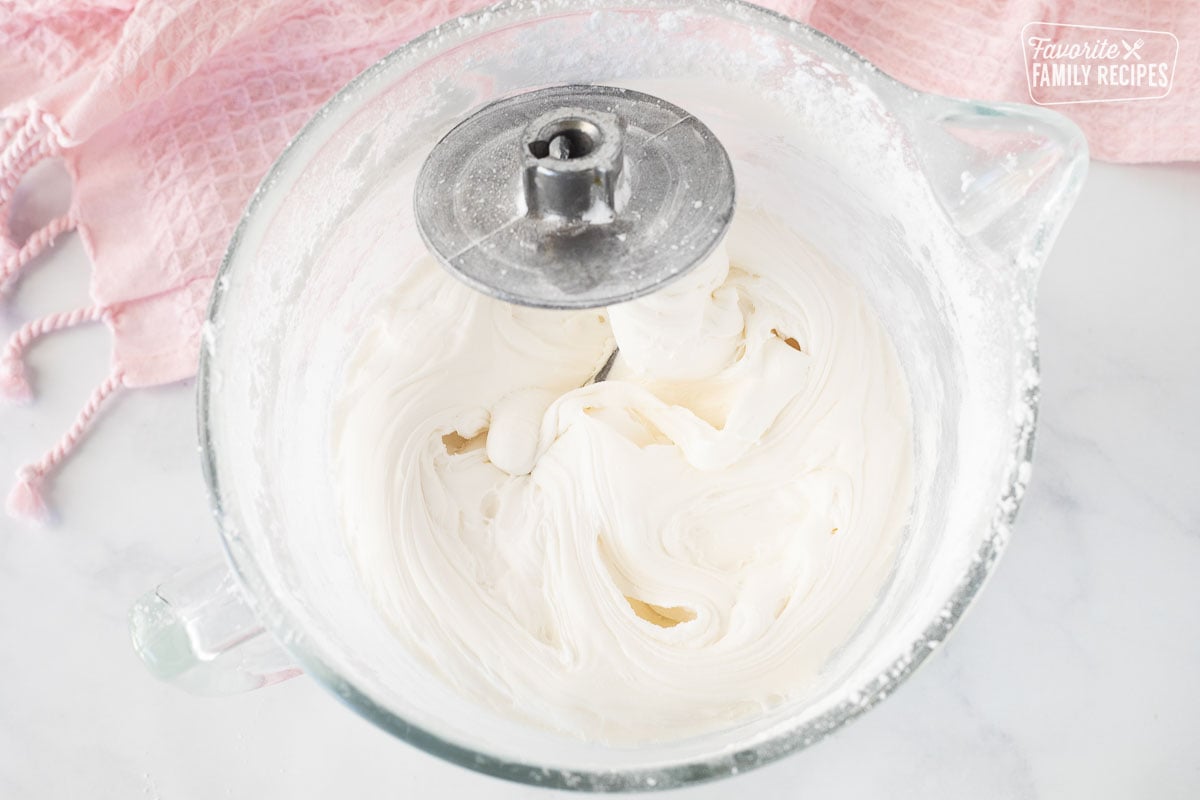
[575, 196]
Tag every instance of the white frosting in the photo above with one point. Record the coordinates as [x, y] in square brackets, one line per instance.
[661, 553]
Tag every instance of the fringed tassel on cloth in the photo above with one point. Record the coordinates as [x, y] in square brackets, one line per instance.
[19, 152]
[14, 383]
[27, 501]
[34, 246]
[25, 140]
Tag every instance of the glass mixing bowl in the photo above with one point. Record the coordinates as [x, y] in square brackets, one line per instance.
[941, 209]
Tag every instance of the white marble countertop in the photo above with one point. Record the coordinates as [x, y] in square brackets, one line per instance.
[1075, 676]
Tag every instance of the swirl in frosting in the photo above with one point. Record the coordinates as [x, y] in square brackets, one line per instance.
[660, 553]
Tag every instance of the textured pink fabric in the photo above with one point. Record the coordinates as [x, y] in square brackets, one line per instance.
[168, 112]
[972, 48]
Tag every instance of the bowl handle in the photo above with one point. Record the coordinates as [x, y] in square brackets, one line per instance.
[198, 632]
[1005, 173]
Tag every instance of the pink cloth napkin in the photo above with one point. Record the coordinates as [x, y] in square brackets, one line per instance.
[168, 112]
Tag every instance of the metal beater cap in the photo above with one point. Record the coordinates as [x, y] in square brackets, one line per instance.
[574, 196]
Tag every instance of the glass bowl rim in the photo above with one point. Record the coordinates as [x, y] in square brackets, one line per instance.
[786, 739]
